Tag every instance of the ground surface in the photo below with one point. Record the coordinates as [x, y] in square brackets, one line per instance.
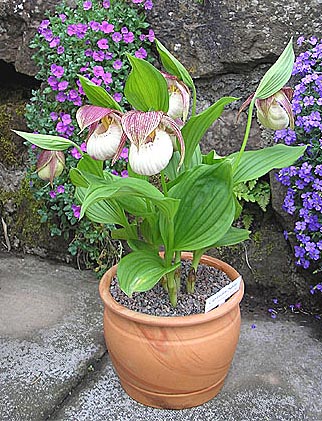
[54, 363]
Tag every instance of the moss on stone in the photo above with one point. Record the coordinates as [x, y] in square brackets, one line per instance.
[10, 155]
[24, 224]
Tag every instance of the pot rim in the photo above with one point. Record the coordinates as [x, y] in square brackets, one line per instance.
[192, 319]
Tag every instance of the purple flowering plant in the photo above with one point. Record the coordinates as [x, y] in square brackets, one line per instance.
[303, 179]
[90, 39]
[175, 198]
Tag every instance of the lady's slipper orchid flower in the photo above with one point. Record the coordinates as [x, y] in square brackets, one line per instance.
[50, 164]
[274, 112]
[105, 130]
[150, 136]
[179, 99]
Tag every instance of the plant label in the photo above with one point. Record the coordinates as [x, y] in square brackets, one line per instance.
[221, 296]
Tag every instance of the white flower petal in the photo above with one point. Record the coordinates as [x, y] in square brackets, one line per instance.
[103, 144]
[151, 157]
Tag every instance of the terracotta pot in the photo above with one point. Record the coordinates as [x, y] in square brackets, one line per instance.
[172, 362]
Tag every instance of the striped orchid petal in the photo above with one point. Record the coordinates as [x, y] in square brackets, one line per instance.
[151, 144]
[139, 125]
[88, 115]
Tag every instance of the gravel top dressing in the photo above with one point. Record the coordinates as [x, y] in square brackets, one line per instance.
[156, 301]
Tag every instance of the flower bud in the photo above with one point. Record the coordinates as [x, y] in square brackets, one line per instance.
[50, 164]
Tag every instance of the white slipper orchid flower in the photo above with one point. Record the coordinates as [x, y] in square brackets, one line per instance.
[150, 136]
[274, 112]
[105, 131]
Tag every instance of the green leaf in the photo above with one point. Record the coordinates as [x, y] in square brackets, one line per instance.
[255, 164]
[139, 271]
[146, 89]
[77, 178]
[232, 236]
[197, 126]
[207, 207]
[103, 212]
[278, 75]
[46, 141]
[90, 165]
[173, 65]
[129, 232]
[127, 188]
[98, 95]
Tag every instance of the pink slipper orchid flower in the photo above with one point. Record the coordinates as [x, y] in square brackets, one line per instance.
[105, 131]
[274, 112]
[150, 136]
[179, 98]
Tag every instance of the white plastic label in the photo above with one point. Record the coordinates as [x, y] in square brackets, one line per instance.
[221, 296]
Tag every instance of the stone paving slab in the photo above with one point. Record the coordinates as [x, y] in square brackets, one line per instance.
[54, 365]
[276, 375]
[50, 331]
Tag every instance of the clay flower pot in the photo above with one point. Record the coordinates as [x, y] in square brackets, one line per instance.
[172, 362]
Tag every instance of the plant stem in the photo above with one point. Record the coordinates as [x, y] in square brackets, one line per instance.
[172, 288]
[164, 184]
[247, 130]
[194, 100]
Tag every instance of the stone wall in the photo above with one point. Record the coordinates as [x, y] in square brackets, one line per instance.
[227, 45]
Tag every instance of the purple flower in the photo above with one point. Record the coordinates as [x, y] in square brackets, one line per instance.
[128, 38]
[76, 210]
[107, 78]
[95, 26]
[106, 27]
[106, 4]
[62, 86]
[98, 55]
[151, 35]
[62, 17]
[124, 173]
[54, 42]
[60, 50]
[103, 44]
[52, 194]
[87, 5]
[98, 71]
[117, 96]
[141, 53]
[53, 116]
[75, 153]
[61, 97]
[148, 5]
[117, 37]
[57, 71]
[117, 64]
[60, 189]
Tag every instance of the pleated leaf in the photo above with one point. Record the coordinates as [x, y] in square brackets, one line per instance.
[98, 95]
[197, 126]
[207, 207]
[255, 164]
[278, 75]
[103, 211]
[46, 141]
[139, 271]
[146, 89]
[173, 65]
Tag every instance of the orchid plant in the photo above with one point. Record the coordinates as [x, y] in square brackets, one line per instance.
[175, 198]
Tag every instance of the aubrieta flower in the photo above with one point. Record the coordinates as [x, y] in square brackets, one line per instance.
[303, 198]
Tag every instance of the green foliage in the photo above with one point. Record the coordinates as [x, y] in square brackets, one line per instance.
[255, 191]
[59, 44]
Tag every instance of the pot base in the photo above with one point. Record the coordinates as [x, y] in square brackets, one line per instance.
[172, 401]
